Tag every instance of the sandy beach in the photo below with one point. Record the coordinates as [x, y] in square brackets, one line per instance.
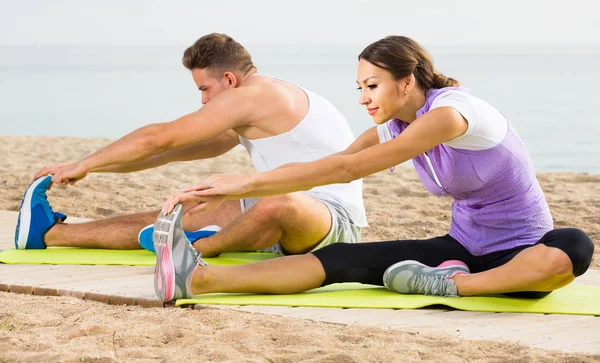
[34, 328]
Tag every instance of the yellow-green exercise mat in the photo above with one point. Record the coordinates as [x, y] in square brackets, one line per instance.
[86, 256]
[572, 299]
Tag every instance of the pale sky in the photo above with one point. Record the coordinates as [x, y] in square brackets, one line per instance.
[154, 22]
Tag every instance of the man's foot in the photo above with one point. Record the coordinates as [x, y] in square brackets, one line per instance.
[145, 235]
[36, 216]
[276, 248]
[412, 277]
[176, 259]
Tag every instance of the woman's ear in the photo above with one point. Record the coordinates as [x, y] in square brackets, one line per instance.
[409, 82]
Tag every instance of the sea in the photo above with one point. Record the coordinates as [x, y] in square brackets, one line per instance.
[550, 93]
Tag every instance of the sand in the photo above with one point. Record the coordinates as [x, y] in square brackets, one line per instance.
[34, 328]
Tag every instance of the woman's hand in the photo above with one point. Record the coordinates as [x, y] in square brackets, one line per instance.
[210, 193]
[223, 184]
[193, 203]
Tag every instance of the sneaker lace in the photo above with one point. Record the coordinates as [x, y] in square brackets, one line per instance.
[59, 217]
[431, 285]
[198, 258]
[197, 255]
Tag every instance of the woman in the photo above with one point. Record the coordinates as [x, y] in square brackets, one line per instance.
[501, 239]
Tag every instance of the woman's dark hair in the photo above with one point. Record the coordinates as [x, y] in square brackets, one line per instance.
[402, 56]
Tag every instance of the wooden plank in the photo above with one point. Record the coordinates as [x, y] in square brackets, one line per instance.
[345, 316]
[131, 286]
[591, 277]
[42, 275]
[564, 333]
[559, 332]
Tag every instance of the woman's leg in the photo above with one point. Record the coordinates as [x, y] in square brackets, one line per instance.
[339, 262]
[367, 262]
[553, 262]
[285, 275]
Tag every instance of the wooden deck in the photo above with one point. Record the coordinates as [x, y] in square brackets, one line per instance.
[134, 285]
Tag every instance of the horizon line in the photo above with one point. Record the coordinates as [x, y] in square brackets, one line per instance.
[582, 44]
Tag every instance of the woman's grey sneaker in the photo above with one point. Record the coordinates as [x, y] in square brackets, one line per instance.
[176, 259]
[413, 277]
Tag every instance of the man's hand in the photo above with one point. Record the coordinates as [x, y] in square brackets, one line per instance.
[63, 174]
[48, 170]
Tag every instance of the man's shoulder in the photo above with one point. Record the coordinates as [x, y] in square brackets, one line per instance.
[269, 83]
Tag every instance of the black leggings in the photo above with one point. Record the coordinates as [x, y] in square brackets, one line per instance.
[366, 262]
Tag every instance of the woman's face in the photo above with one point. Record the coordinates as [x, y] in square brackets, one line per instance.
[380, 93]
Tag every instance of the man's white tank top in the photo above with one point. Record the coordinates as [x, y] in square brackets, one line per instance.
[322, 132]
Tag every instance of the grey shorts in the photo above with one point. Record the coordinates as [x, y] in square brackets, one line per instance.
[342, 228]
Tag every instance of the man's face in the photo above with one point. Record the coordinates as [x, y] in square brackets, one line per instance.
[208, 84]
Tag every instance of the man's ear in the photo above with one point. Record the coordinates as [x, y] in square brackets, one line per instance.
[230, 79]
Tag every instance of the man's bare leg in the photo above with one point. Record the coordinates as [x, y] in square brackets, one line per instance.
[122, 232]
[296, 220]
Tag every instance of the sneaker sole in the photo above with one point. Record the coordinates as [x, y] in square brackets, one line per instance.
[24, 219]
[458, 265]
[139, 237]
[164, 280]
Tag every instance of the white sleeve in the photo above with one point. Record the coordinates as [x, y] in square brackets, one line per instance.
[384, 133]
[460, 102]
[486, 125]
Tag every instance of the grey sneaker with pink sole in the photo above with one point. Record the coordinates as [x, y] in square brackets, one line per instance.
[413, 277]
[176, 258]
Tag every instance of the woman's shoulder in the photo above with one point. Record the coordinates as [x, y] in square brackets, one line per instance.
[454, 94]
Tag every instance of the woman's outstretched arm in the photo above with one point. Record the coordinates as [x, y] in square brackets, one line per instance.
[438, 126]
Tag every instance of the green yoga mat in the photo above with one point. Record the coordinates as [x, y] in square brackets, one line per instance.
[85, 256]
[572, 299]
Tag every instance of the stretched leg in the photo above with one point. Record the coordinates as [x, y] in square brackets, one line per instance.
[339, 262]
[556, 260]
[180, 271]
[297, 220]
[113, 233]
[285, 275]
[121, 232]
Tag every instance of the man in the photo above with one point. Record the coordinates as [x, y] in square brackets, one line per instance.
[277, 122]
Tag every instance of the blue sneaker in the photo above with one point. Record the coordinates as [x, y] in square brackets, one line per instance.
[36, 216]
[145, 235]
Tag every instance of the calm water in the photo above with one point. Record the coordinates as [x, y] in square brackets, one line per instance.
[548, 93]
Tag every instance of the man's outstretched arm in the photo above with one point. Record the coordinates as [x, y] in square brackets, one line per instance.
[230, 109]
[202, 150]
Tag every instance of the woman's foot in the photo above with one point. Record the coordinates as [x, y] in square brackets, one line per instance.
[413, 277]
[176, 259]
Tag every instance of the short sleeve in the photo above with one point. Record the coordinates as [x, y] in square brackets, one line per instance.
[384, 133]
